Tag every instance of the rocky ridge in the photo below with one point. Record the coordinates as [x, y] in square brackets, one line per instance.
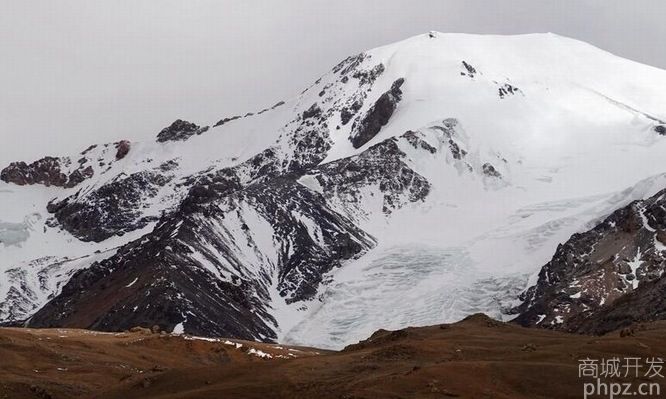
[606, 278]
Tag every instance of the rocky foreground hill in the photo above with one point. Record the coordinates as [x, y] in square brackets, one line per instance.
[475, 358]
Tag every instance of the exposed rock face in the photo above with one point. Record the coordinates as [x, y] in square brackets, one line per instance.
[216, 247]
[123, 148]
[469, 69]
[63, 171]
[661, 129]
[112, 209]
[381, 166]
[49, 171]
[507, 90]
[347, 113]
[377, 116]
[46, 171]
[646, 304]
[180, 130]
[312, 112]
[607, 277]
[489, 170]
[226, 120]
[79, 175]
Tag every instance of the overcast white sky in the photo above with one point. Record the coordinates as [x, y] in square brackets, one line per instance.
[73, 73]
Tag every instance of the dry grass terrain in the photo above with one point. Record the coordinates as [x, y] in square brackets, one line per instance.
[475, 358]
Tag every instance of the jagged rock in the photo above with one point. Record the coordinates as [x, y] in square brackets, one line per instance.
[226, 120]
[349, 64]
[87, 150]
[456, 151]
[368, 77]
[48, 171]
[377, 116]
[661, 129]
[123, 148]
[489, 170]
[347, 113]
[110, 210]
[312, 112]
[471, 71]
[382, 164]
[180, 130]
[417, 142]
[79, 176]
[507, 89]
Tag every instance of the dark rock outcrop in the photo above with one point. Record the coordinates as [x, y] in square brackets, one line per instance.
[347, 113]
[180, 130]
[48, 171]
[489, 170]
[312, 112]
[79, 175]
[377, 116]
[122, 149]
[508, 89]
[226, 120]
[381, 165]
[112, 209]
[471, 71]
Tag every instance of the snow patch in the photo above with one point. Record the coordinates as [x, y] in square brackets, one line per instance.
[312, 183]
[178, 329]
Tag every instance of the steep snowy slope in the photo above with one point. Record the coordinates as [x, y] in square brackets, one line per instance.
[412, 184]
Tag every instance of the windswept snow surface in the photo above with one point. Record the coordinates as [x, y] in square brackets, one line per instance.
[569, 141]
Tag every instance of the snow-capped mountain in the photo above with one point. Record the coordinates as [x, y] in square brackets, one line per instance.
[412, 184]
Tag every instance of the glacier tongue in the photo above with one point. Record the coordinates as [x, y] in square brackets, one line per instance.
[415, 283]
[401, 286]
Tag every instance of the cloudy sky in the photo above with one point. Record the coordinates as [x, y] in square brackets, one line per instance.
[74, 73]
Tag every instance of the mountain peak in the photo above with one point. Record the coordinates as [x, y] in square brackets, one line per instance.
[440, 170]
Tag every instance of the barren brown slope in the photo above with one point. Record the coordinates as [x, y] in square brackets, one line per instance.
[476, 358]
